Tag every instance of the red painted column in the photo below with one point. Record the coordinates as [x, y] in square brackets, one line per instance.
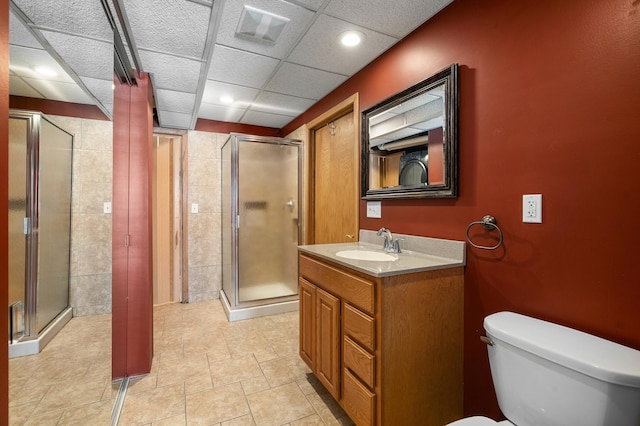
[4, 200]
[132, 288]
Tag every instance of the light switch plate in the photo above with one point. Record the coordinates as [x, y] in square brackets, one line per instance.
[374, 209]
[194, 208]
[106, 208]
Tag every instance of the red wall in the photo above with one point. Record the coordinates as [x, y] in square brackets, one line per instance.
[57, 107]
[213, 126]
[550, 104]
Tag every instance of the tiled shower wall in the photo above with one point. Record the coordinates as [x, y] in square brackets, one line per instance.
[204, 234]
[90, 286]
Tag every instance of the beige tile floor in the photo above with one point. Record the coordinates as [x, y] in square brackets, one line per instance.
[206, 371]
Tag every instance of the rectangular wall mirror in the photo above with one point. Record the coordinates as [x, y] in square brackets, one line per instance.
[410, 140]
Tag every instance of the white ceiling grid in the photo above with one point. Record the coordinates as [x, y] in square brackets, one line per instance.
[191, 50]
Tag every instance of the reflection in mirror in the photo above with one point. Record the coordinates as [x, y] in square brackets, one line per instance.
[409, 141]
[72, 42]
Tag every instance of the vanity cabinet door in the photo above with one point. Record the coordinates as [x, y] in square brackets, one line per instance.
[320, 334]
[307, 322]
[328, 339]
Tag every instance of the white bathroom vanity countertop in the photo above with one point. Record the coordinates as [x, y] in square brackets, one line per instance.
[421, 254]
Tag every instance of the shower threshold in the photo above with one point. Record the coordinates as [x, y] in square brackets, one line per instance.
[35, 346]
[243, 313]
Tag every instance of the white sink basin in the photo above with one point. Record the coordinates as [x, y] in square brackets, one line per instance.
[375, 256]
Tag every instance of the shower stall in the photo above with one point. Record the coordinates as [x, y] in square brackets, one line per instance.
[40, 160]
[261, 225]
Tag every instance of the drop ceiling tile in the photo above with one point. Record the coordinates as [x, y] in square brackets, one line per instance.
[240, 67]
[109, 112]
[281, 104]
[299, 19]
[312, 4]
[396, 19]
[174, 120]
[177, 27]
[320, 47]
[101, 89]
[171, 72]
[220, 113]
[87, 57]
[304, 82]
[20, 35]
[265, 119]
[242, 96]
[24, 59]
[173, 101]
[60, 91]
[18, 87]
[75, 16]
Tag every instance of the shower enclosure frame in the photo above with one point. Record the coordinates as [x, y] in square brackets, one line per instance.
[240, 310]
[35, 337]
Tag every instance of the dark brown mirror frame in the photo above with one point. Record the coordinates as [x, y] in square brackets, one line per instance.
[449, 188]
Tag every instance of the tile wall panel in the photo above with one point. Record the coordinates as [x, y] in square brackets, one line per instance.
[204, 233]
[90, 286]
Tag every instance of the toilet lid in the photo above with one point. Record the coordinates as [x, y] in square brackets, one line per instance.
[479, 421]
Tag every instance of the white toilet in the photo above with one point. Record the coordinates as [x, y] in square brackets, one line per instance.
[547, 374]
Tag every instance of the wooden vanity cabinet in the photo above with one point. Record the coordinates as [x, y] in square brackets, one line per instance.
[388, 349]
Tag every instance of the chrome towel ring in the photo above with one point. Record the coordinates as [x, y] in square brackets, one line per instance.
[489, 223]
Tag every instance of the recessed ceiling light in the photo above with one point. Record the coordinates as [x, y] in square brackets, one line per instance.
[351, 38]
[45, 71]
[226, 99]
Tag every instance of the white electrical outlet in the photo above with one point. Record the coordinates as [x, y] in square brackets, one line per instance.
[532, 208]
[374, 209]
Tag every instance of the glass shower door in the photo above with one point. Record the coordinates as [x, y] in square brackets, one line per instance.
[18, 223]
[54, 222]
[267, 225]
[228, 224]
[40, 164]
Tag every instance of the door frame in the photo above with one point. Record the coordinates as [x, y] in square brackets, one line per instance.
[350, 104]
[184, 185]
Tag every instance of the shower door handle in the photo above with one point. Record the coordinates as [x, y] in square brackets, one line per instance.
[291, 204]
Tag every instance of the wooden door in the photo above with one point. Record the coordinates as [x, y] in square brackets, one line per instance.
[307, 322]
[336, 175]
[327, 360]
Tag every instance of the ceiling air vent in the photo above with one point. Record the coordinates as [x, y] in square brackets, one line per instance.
[256, 24]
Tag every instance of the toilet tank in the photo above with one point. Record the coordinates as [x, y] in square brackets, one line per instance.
[547, 374]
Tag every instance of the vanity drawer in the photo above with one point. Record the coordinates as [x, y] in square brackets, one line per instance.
[356, 290]
[361, 362]
[358, 402]
[360, 327]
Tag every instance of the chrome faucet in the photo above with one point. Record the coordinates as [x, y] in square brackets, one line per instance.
[390, 245]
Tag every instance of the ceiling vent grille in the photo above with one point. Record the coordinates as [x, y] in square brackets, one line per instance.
[259, 25]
